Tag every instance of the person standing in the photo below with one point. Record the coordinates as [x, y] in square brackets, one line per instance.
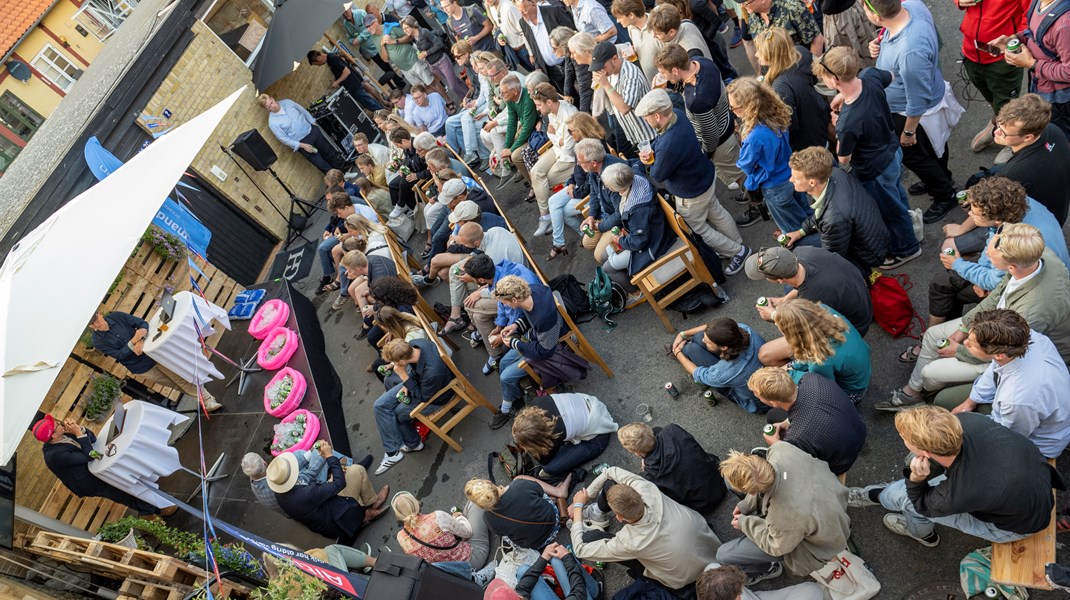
[623, 85]
[506, 17]
[468, 23]
[67, 448]
[910, 51]
[591, 17]
[295, 128]
[537, 23]
[122, 336]
[348, 78]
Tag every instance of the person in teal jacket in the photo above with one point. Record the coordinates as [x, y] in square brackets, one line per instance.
[822, 341]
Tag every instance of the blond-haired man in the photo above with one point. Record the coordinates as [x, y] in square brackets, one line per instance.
[296, 129]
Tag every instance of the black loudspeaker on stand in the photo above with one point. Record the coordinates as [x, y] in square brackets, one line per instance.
[254, 150]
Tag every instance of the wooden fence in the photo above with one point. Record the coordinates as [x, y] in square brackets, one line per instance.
[137, 290]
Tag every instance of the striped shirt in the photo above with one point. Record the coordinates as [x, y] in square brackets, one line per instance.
[707, 105]
[632, 86]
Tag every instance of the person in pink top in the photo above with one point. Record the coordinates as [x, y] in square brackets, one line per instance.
[456, 541]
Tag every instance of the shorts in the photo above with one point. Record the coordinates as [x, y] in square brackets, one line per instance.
[419, 74]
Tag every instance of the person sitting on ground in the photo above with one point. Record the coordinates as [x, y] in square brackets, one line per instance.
[816, 275]
[532, 336]
[655, 529]
[337, 508]
[727, 582]
[441, 537]
[67, 449]
[576, 583]
[672, 459]
[990, 203]
[995, 483]
[1023, 385]
[817, 416]
[121, 336]
[642, 235]
[817, 339]
[788, 73]
[419, 375]
[794, 513]
[1036, 286]
[721, 355]
[678, 163]
[554, 166]
[521, 511]
[764, 151]
[845, 217]
[563, 432]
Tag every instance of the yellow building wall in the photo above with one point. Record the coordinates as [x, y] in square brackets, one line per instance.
[209, 71]
[35, 92]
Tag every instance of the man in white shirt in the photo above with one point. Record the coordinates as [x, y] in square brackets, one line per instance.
[379, 153]
[537, 23]
[591, 17]
[295, 127]
[556, 164]
[506, 18]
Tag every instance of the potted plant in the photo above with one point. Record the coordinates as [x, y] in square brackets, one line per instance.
[289, 583]
[104, 391]
[182, 544]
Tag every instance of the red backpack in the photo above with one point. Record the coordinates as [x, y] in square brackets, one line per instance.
[892, 308]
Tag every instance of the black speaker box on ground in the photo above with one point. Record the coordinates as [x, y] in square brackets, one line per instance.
[254, 149]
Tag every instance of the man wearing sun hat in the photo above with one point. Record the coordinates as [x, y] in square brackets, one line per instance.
[337, 508]
[66, 449]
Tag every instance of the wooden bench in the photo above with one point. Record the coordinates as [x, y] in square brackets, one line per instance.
[1022, 563]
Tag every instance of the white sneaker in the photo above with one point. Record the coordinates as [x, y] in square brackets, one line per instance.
[396, 212]
[406, 449]
[593, 517]
[389, 460]
[544, 226]
[733, 186]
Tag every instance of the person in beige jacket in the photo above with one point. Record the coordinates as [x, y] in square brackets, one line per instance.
[795, 513]
[672, 542]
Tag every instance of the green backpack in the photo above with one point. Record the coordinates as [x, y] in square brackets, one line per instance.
[605, 297]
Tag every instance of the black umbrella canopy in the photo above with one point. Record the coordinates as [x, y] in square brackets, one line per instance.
[296, 26]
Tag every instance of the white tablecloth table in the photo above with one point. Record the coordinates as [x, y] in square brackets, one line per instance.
[178, 348]
[141, 454]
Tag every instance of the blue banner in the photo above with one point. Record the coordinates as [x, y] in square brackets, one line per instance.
[177, 220]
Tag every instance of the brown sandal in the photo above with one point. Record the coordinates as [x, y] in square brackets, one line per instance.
[909, 356]
[557, 251]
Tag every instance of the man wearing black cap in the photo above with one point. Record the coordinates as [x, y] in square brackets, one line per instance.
[624, 85]
[816, 275]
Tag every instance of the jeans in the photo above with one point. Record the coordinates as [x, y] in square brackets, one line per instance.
[362, 96]
[894, 497]
[788, 207]
[462, 134]
[510, 374]
[743, 553]
[696, 352]
[393, 420]
[324, 252]
[515, 57]
[316, 466]
[892, 201]
[563, 212]
[569, 455]
[542, 590]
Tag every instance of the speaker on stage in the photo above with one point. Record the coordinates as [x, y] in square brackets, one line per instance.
[255, 150]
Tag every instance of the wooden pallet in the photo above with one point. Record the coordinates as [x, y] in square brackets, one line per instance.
[138, 589]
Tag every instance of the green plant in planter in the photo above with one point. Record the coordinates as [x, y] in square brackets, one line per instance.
[183, 544]
[169, 246]
[104, 390]
[290, 584]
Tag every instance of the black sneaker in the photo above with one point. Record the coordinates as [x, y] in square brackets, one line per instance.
[1058, 576]
[937, 211]
[501, 419]
[918, 189]
[748, 218]
[775, 570]
[736, 265]
[894, 262]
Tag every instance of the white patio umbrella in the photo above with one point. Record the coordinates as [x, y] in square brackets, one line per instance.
[54, 278]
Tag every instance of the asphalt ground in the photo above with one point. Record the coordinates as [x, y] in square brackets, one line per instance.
[633, 350]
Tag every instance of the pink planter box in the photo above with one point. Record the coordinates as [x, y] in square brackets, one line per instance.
[288, 349]
[293, 400]
[312, 431]
[259, 327]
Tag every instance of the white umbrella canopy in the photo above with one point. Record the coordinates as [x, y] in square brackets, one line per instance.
[54, 278]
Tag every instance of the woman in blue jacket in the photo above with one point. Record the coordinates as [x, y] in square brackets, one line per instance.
[643, 236]
[763, 156]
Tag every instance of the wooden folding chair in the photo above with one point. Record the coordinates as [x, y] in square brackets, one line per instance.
[486, 188]
[681, 267]
[572, 337]
[466, 398]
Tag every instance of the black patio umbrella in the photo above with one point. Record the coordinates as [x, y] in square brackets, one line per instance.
[296, 26]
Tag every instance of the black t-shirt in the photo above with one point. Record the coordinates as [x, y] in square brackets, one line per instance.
[832, 280]
[865, 128]
[825, 424]
[525, 514]
[337, 66]
[1041, 168]
[809, 110]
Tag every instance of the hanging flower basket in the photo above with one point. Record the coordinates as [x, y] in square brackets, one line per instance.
[277, 348]
[274, 313]
[284, 392]
[298, 431]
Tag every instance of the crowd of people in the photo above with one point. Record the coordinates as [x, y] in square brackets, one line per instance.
[601, 110]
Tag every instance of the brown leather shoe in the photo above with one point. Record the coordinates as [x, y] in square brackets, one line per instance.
[380, 498]
[374, 513]
[170, 510]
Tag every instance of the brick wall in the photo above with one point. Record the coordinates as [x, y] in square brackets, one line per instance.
[208, 72]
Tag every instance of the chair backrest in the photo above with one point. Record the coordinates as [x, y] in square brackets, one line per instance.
[683, 232]
[382, 219]
[432, 334]
[486, 188]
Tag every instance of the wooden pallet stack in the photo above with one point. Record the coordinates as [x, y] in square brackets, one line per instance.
[145, 574]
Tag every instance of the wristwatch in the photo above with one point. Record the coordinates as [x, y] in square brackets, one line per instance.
[908, 133]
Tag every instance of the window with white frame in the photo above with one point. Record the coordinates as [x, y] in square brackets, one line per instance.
[103, 17]
[55, 67]
[241, 24]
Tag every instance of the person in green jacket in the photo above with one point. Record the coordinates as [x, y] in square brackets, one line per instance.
[521, 118]
[1036, 286]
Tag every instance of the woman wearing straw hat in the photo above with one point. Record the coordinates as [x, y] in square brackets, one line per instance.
[337, 508]
[459, 539]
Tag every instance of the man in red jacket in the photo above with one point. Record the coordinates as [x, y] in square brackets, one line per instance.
[996, 79]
